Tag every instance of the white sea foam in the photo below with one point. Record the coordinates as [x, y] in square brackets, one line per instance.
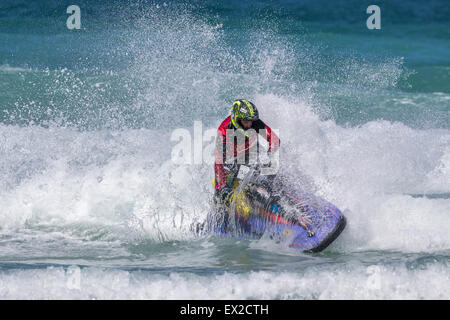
[7, 68]
[353, 281]
[60, 177]
[370, 172]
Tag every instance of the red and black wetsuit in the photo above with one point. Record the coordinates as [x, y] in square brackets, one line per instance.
[227, 146]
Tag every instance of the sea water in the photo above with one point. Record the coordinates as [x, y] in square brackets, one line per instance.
[92, 205]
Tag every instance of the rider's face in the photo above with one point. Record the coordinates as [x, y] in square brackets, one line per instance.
[247, 124]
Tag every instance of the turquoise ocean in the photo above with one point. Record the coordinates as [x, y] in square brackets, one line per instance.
[92, 205]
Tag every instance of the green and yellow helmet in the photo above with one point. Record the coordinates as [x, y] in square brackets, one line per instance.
[243, 110]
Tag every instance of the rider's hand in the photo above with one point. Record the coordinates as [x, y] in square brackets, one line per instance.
[225, 193]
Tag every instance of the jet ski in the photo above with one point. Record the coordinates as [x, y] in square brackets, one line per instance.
[269, 205]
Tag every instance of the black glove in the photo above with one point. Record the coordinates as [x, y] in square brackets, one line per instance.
[225, 193]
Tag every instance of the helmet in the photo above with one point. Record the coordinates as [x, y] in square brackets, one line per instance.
[243, 110]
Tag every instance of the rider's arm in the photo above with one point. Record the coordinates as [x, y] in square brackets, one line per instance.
[220, 155]
[271, 137]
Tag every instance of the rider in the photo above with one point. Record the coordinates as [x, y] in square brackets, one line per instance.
[236, 139]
